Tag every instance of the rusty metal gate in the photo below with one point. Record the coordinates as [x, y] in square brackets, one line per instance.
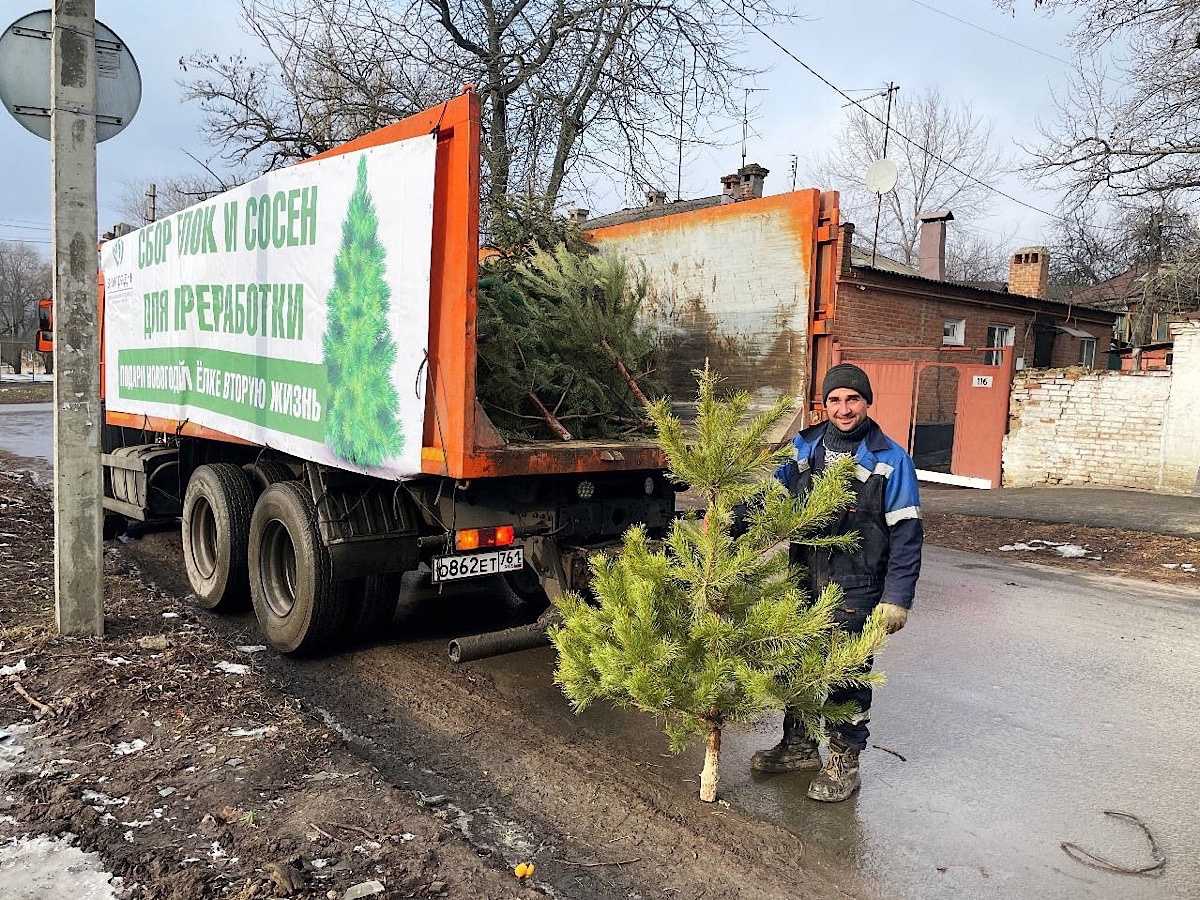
[969, 451]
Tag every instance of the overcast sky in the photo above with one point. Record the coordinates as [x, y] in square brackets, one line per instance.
[855, 43]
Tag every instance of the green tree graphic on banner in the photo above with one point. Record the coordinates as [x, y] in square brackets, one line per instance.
[361, 424]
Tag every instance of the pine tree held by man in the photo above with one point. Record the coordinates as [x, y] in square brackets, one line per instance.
[361, 414]
[711, 628]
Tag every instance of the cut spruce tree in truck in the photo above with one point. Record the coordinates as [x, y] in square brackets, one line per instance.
[711, 628]
[291, 371]
[563, 350]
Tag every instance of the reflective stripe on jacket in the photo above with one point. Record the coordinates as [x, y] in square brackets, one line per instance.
[886, 514]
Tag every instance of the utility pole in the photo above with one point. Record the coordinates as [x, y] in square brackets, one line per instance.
[887, 131]
[151, 197]
[78, 548]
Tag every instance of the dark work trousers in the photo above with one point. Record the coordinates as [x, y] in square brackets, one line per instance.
[851, 615]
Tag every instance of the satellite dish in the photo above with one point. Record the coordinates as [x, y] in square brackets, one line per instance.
[881, 176]
[25, 77]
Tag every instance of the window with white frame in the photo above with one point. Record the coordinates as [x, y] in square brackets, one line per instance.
[999, 336]
[954, 332]
[1087, 353]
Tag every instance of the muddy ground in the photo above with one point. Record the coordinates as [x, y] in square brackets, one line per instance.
[198, 766]
[1133, 554]
[26, 392]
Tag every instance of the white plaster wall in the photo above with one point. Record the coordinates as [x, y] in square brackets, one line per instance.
[1181, 437]
[732, 288]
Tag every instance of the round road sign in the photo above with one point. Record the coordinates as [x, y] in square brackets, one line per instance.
[25, 77]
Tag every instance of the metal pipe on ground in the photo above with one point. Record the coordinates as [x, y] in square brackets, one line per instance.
[508, 640]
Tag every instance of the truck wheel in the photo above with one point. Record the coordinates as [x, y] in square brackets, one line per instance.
[267, 472]
[523, 592]
[298, 604]
[216, 526]
[372, 609]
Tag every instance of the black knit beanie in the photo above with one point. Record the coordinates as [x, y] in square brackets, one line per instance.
[846, 375]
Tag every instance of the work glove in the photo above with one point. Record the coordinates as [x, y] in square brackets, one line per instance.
[894, 617]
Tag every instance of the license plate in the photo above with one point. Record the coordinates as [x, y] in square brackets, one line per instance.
[451, 568]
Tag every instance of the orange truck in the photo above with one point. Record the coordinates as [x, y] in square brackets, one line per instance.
[319, 549]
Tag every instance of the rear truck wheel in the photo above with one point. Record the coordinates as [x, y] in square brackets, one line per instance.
[523, 592]
[267, 472]
[298, 605]
[216, 527]
[373, 605]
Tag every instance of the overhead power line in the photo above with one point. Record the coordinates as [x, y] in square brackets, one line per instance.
[4, 224]
[995, 34]
[900, 134]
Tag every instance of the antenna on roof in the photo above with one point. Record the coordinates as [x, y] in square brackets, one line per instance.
[881, 174]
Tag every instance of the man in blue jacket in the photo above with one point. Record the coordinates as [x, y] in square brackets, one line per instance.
[882, 573]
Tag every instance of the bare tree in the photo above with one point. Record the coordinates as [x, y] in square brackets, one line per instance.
[977, 256]
[171, 195]
[1095, 241]
[950, 131]
[24, 279]
[569, 88]
[1127, 122]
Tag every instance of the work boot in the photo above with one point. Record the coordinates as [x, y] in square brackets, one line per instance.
[838, 778]
[793, 753]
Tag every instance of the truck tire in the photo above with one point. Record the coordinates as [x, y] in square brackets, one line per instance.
[373, 607]
[216, 527]
[298, 605]
[267, 472]
[522, 592]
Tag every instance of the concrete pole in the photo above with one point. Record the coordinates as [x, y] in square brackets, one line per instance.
[78, 546]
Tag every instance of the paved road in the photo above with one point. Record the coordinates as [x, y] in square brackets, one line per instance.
[1098, 507]
[27, 430]
[1026, 701]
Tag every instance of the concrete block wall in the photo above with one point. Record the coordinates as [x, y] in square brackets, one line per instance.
[1072, 426]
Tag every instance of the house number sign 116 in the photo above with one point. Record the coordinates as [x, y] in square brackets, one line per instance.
[981, 381]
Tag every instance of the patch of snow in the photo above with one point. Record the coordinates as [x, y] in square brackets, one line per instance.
[166, 792]
[363, 889]
[98, 800]
[125, 748]
[1071, 551]
[251, 648]
[170, 615]
[44, 866]
[15, 669]
[9, 748]
[233, 668]
[261, 731]
[114, 661]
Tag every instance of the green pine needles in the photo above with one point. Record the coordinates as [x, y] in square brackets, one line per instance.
[711, 628]
[361, 416]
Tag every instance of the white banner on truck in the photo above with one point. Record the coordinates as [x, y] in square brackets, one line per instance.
[292, 311]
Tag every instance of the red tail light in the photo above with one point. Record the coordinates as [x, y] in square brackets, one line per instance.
[477, 538]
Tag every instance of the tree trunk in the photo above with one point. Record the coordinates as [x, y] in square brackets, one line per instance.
[634, 388]
[712, 766]
[556, 426]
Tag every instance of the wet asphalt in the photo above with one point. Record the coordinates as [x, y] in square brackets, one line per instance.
[27, 430]
[1025, 701]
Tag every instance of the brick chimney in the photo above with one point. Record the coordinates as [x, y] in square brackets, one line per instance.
[1029, 272]
[931, 250]
[656, 197]
[577, 215]
[744, 184]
